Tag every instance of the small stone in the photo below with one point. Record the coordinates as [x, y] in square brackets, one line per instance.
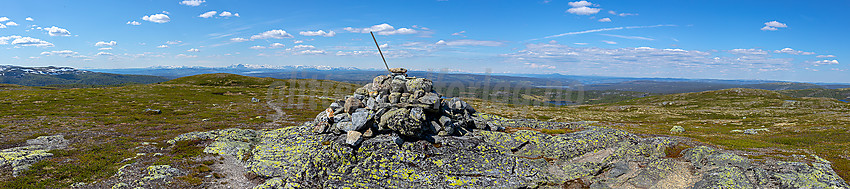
[431, 99]
[398, 70]
[394, 97]
[329, 113]
[404, 97]
[405, 122]
[344, 126]
[369, 132]
[677, 129]
[352, 103]
[419, 84]
[359, 119]
[353, 138]
[152, 111]
[398, 86]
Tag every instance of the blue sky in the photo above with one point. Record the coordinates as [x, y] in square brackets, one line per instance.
[771, 40]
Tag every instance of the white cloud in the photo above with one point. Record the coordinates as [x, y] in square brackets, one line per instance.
[539, 66]
[257, 47]
[65, 53]
[318, 33]
[382, 29]
[628, 37]
[133, 23]
[276, 45]
[580, 43]
[298, 41]
[104, 54]
[228, 14]
[102, 43]
[193, 50]
[208, 14]
[605, 20]
[193, 3]
[825, 62]
[768, 28]
[469, 42]
[24, 41]
[162, 46]
[460, 33]
[239, 39]
[2, 25]
[30, 19]
[609, 42]
[276, 34]
[605, 29]
[308, 52]
[157, 18]
[10, 23]
[748, 51]
[580, 4]
[186, 56]
[826, 56]
[583, 10]
[56, 31]
[647, 61]
[792, 51]
[173, 42]
[105, 48]
[303, 47]
[627, 14]
[3, 19]
[773, 26]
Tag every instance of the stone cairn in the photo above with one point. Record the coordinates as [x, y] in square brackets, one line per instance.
[395, 103]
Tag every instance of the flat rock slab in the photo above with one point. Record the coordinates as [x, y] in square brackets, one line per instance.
[594, 157]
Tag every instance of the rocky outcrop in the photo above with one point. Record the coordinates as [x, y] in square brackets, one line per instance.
[596, 157]
[396, 132]
[20, 158]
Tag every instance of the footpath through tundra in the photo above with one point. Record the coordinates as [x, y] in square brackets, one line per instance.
[397, 132]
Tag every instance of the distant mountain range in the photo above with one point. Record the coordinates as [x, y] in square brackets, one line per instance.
[568, 82]
[67, 76]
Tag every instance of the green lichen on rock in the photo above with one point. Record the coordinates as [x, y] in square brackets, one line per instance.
[724, 177]
[573, 171]
[232, 134]
[157, 172]
[233, 148]
[677, 129]
[120, 185]
[801, 175]
[20, 158]
[277, 183]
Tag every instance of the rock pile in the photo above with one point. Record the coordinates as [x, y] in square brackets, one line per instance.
[396, 103]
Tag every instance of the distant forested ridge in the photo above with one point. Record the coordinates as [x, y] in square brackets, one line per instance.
[44, 76]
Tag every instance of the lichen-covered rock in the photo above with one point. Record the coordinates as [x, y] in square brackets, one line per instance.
[232, 148]
[359, 119]
[407, 122]
[677, 129]
[802, 175]
[157, 172]
[419, 84]
[20, 158]
[352, 104]
[724, 177]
